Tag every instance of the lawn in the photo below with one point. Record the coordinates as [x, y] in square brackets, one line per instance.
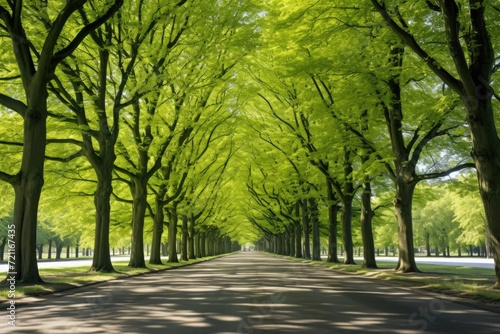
[68, 278]
[467, 282]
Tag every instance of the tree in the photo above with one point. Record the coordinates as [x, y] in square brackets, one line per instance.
[36, 64]
[469, 45]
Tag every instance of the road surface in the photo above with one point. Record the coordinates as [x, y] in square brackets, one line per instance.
[474, 262]
[247, 292]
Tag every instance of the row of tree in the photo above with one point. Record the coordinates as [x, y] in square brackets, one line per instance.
[318, 107]
[368, 97]
[126, 104]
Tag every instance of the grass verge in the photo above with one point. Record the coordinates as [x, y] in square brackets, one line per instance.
[61, 279]
[465, 282]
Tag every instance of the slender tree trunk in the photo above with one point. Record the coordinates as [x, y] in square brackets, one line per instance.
[316, 254]
[203, 247]
[191, 241]
[298, 232]
[292, 241]
[40, 251]
[306, 229]
[347, 209]
[185, 237]
[428, 243]
[332, 224]
[49, 250]
[2, 248]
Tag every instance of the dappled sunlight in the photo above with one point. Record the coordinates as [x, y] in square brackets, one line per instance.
[229, 295]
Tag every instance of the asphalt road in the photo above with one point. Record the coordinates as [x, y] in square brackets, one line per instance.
[474, 262]
[247, 293]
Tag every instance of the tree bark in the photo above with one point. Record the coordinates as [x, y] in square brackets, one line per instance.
[139, 193]
[306, 229]
[101, 259]
[347, 199]
[191, 240]
[403, 209]
[172, 235]
[332, 224]
[366, 225]
[316, 254]
[185, 237]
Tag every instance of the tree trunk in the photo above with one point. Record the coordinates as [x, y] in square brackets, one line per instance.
[191, 240]
[298, 240]
[28, 188]
[49, 251]
[347, 209]
[366, 225]
[347, 230]
[102, 260]
[291, 240]
[332, 224]
[59, 249]
[185, 237]
[403, 209]
[203, 247]
[139, 195]
[156, 244]
[172, 235]
[306, 229]
[316, 254]
[428, 243]
[2, 248]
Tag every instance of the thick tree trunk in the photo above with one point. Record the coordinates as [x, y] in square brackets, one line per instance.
[139, 195]
[366, 226]
[29, 186]
[403, 209]
[102, 260]
[486, 156]
[172, 235]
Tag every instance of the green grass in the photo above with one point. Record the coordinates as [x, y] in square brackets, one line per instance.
[467, 282]
[66, 278]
